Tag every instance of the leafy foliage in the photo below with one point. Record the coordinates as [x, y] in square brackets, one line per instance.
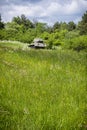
[77, 43]
[24, 30]
[83, 24]
[1, 23]
[71, 26]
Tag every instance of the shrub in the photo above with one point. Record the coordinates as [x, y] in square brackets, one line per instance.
[78, 44]
[49, 44]
[58, 43]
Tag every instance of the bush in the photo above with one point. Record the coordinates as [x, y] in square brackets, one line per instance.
[25, 38]
[58, 43]
[45, 35]
[49, 44]
[78, 44]
[72, 34]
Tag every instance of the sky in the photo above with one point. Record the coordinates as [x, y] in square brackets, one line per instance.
[47, 11]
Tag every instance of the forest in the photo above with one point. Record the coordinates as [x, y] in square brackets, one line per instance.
[61, 34]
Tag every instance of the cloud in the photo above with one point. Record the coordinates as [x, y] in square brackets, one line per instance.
[18, 2]
[48, 11]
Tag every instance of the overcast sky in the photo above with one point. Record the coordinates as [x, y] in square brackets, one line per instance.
[48, 11]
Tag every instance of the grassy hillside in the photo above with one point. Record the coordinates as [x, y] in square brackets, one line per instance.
[42, 89]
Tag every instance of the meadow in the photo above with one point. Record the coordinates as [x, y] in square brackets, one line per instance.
[42, 89]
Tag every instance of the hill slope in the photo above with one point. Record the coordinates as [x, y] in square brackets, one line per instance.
[42, 90]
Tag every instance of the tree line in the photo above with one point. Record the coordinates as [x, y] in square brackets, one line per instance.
[67, 35]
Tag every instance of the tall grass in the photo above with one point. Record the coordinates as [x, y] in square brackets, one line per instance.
[42, 90]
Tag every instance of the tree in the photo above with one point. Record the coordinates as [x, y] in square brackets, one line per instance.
[1, 23]
[56, 26]
[17, 20]
[23, 21]
[64, 26]
[84, 17]
[40, 27]
[82, 25]
[71, 26]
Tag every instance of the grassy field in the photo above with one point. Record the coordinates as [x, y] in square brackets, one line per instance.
[42, 89]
